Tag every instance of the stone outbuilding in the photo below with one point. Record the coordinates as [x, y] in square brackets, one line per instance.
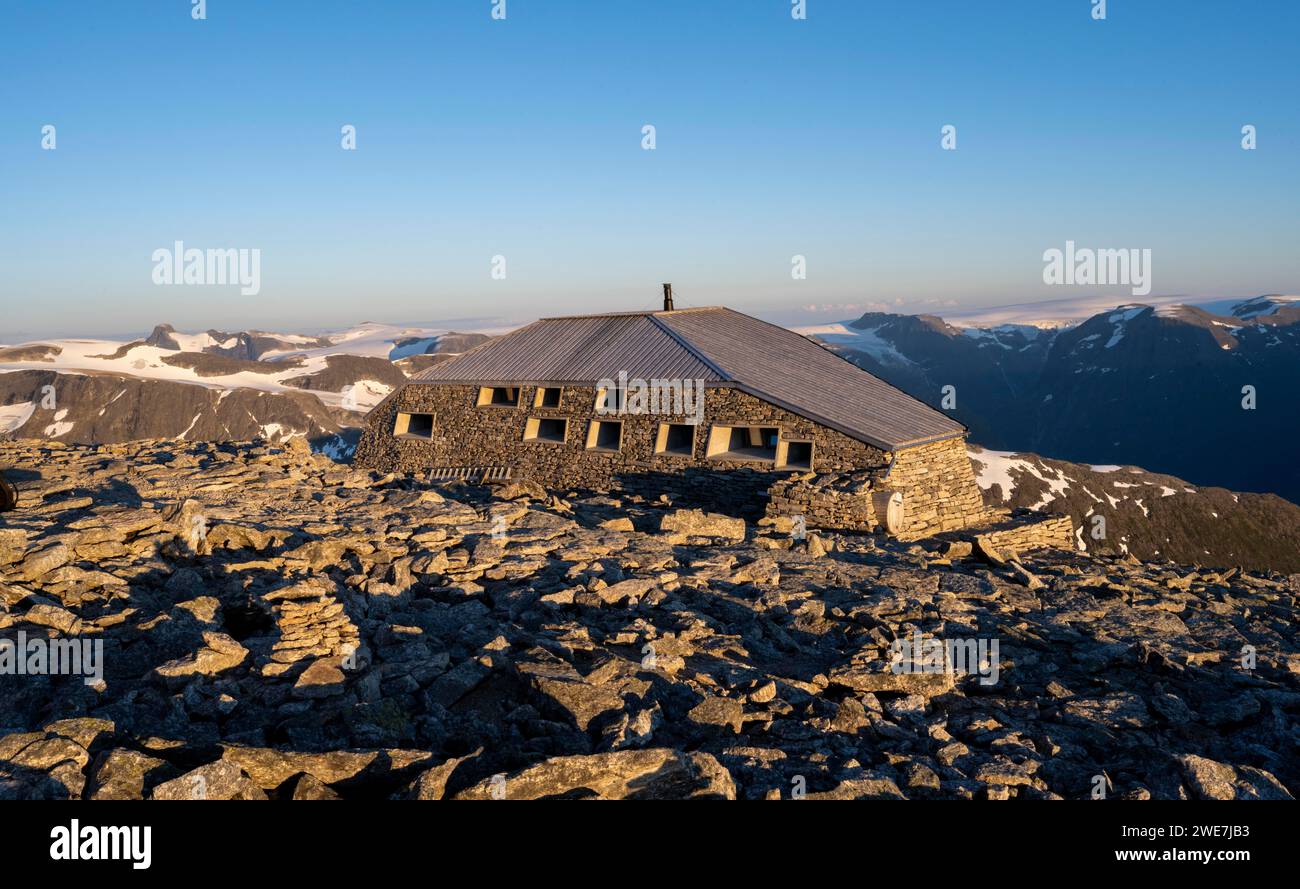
[686, 402]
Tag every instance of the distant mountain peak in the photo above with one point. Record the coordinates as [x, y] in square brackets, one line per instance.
[1157, 383]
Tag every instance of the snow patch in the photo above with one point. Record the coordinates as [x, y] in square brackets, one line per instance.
[996, 468]
[58, 427]
[277, 432]
[181, 437]
[337, 449]
[13, 416]
[866, 340]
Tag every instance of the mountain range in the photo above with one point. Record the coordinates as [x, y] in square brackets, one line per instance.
[1207, 394]
[213, 386]
[1140, 408]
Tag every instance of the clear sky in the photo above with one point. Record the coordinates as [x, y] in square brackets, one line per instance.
[523, 138]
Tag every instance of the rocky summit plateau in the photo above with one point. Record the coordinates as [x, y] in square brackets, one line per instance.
[267, 623]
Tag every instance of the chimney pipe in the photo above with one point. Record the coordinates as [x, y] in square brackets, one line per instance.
[668, 297]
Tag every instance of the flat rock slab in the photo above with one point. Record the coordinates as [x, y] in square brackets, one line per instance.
[660, 773]
[869, 679]
[216, 780]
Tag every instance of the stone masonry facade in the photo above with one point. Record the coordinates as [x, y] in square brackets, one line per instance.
[465, 434]
[842, 491]
[938, 487]
[936, 482]
[839, 501]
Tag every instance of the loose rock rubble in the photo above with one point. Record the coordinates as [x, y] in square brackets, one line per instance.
[276, 625]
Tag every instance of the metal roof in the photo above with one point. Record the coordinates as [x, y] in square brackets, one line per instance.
[581, 349]
[714, 344]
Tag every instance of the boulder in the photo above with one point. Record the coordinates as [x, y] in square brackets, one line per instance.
[1210, 779]
[322, 679]
[862, 678]
[432, 784]
[124, 774]
[37, 563]
[269, 768]
[220, 653]
[659, 773]
[684, 524]
[216, 780]
[308, 787]
[861, 784]
[985, 550]
[718, 711]
[13, 544]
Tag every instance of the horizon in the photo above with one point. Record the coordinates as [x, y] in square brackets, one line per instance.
[803, 319]
[775, 138]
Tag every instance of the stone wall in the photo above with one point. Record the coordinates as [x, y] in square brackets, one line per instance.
[836, 501]
[1025, 534]
[467, 435]
[936, 481]
[736, 492]
[848, 502]
[938, 487]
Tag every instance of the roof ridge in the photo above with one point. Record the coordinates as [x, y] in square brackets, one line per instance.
[759, 391]
[646, 312]
[888, 430]
[691, 347]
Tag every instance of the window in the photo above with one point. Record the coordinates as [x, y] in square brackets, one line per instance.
[794, 454]
[547, 396]
[605, 435]
[548, 429]
[502, 396]
[414, 425]
[675, 439]
[610, 399]
[743, 443]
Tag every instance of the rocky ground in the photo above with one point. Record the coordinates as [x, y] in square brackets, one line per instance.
[276, 625]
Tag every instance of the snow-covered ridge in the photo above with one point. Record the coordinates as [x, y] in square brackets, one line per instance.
[270, 373]
[1261, 306]
[369, 340]
[866, 340]
[1060, 313]
[997, 468]
[1127, 509]
[13, 416]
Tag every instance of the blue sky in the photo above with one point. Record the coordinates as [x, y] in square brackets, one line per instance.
[522, 138]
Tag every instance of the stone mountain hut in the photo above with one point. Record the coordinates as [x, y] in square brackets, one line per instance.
[683, 402]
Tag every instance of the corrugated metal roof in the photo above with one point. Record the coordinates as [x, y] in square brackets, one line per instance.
[791, 370]
[713, 344]
[572, 350]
